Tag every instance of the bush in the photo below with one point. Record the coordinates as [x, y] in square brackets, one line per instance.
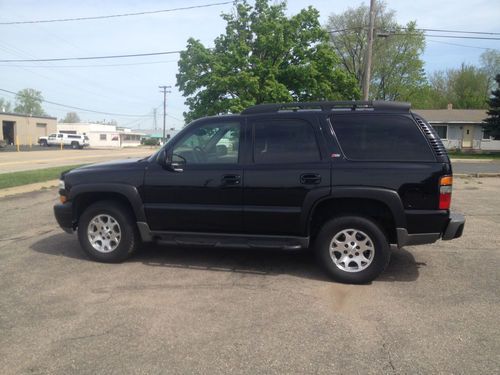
[150, 141]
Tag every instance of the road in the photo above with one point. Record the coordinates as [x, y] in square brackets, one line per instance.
[23, 161]
[206, 311]
[472, 166]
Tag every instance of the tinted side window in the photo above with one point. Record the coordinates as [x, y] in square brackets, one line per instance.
[381, 137]
[284, 141]
[216, 143]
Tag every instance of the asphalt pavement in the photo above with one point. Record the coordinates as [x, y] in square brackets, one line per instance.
[205, 311]
[476, 166]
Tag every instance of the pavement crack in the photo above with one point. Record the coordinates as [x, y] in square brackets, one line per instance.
[389, 359]
[93, 334]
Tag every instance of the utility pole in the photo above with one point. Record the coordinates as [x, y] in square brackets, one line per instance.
[154, 119]
[165, 92]
[368, 66]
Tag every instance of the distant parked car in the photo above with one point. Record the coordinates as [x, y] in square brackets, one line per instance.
[74, 140]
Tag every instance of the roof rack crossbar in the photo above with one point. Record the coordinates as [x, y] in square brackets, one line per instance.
[329, 106]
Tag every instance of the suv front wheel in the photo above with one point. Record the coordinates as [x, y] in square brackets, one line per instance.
[107, 232]
[352, 249]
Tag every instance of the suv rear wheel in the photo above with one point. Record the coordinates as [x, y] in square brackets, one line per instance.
[352, 249]
[107, 232]
[75, 145]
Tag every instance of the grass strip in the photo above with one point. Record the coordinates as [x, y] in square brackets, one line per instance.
[12, 179]
[463, 155]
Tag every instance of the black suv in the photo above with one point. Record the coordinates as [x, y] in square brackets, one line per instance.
[345, 178]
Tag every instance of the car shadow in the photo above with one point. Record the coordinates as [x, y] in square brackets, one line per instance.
[269, 262]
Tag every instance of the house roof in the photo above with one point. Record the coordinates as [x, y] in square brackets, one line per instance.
[452, 115]
[25, 115]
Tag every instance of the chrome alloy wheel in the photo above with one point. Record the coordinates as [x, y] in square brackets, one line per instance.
[104, 233]
[352, 250]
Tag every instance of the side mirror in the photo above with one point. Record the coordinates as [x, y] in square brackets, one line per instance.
[177, 163]
[171, 162]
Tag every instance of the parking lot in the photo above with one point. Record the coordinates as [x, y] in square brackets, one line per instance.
[170, 310]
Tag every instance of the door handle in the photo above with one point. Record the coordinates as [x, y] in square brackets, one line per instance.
[310, 178]
[231, 179]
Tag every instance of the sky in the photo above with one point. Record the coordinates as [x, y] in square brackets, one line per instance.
[131, 91]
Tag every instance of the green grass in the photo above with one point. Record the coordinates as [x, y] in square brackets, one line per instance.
[462, 155]
[30, 177]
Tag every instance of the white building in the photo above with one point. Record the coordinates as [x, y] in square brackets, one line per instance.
[101, 135]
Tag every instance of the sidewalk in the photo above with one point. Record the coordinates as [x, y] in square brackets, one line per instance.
[28, 188]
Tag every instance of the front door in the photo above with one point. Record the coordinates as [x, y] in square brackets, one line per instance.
[285, 173]
[467, 136]
[205, 195]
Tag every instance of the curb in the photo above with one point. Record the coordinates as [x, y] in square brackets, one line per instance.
[28, 188]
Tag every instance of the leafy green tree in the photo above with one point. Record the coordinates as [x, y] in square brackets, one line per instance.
[427, 97]
[469, 87]
[493, 120]
[5, 105]
[397, 69]
[264, 56]
[29, 101]
[465, 87]
[490, 64]
[71, 117]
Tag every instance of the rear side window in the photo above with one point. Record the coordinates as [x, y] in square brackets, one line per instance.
[284, 141]
[381, 137]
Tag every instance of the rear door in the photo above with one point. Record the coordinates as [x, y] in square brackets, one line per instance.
[285, 173]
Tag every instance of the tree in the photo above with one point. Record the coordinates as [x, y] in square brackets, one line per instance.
[490, 64]
[465, 87]
[493, 120]
[29, 101]
[397, 69]
[71, 117]
[263, 56]
[5, 105]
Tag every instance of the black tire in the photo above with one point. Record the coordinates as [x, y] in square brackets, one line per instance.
[129, 237]
[43, 143]
[378, 249]
[74, 145]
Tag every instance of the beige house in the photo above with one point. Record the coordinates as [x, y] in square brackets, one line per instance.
[25, 129]
[461, 129]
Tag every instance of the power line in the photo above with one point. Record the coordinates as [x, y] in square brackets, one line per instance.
[115, 15]
[459, 31]
[455, 36]
[79, 108]
[424, 34]
[460, 45]
[89, 66]
[94, 57]
[421, 29]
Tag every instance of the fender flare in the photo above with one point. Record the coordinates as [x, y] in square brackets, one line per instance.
[386, 196]
[127, 191]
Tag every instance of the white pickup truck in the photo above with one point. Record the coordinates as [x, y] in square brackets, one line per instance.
[73, 140]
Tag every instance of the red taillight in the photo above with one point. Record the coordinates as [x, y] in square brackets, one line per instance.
[445, 187]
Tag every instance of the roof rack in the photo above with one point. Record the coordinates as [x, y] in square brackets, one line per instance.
[348, 105]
